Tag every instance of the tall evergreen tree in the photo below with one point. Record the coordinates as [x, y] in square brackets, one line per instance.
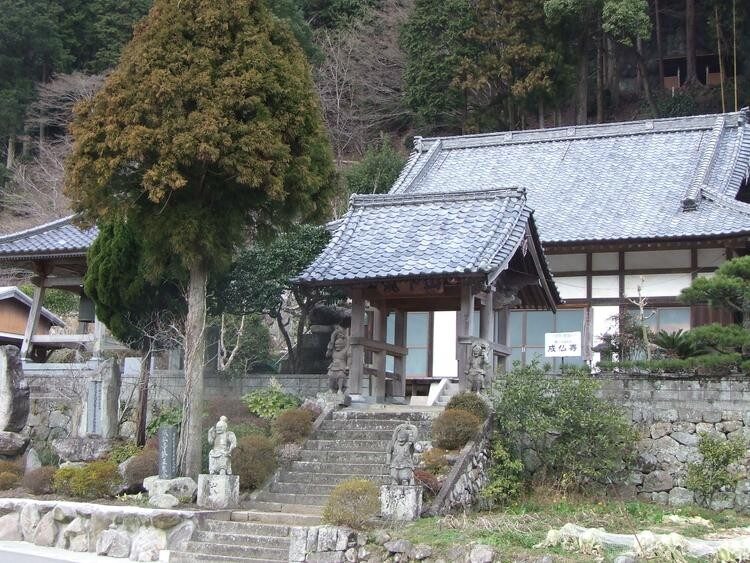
[208, 127]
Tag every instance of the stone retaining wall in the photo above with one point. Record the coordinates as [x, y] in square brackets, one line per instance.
[327, 544]
[115, 531]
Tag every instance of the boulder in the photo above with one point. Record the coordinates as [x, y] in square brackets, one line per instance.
[165, 520]
[29, 519]
[179, 536]
[147, 544]
[76, 535]
[46, 531]
[14, 391]
[12, 444]
[163, 501]
[10, 529]
[398, 546]
[180, 487]
[84, 449]
[680, 496]
[421, 551]
[685, 438]
[660, 429]
[657, 481]
[128, 430]
[481, 554]
[113, 543]
[32, 461]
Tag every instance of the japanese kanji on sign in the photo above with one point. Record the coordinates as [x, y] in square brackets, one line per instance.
[562, 344]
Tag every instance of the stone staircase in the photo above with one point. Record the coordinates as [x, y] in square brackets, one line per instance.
[448, 391]
[349, 444]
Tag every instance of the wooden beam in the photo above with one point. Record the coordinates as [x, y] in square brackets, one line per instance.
[67, 281]
[399, 361]
[377, 346]
[62, 338]
[357, 350]
[463, 329]
[32, 321]
[378, 335]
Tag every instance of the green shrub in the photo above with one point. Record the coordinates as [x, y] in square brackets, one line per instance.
[505, 476]
[93, 480]
[453, 429]
[353, 503]
[707, 364]
[121, 452]
[141, 466]
[712, 473]
[271, 401]
[579, 437]
[254, 461]
[293, 425]
[719, 338]
[39, 481]
[470, 402]
[434, 461]
[171, 416]
[677, 344]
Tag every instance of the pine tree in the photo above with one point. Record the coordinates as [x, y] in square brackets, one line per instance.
[208, 128]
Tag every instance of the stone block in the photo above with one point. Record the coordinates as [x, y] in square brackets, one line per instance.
[113, 543]
[687, 427]
[82, 449]
[731, 415]
[399, 502]
[10, 528]
[481, 554]
[179, 536]
[46, 531]
[28, 520]
[657, 481]
[327, 537]
[164, 500]
[12, 444]
[685, 438]
[218, 491]
[722, 501]
[180, 487]
[729, 426]
[666, 415]
[680, 496]
[660, 429]
[147, 544]
[712, 416]
[297, 544]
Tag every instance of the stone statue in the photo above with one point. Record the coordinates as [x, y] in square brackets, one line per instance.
[401, 454]
[478, 364]
[338, 369]
[223, 442]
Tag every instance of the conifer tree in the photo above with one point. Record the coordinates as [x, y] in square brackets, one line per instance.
[208, 129]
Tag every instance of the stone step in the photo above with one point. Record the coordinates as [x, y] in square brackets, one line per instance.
[275, 518]
[353, 469]
[247, 528]
[390, 415]
[240, 539]
[292, 498]
[239, 551]
[359, 445]
[315, 479]
[348, 456]
[288, 508]
[184, 557]
[367, 424]
[301, 488]
[346, 436]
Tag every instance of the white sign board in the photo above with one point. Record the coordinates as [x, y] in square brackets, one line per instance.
[562, 344]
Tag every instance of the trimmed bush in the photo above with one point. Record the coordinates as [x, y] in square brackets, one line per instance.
[352, 503]
[10, 474]
[254, 461]
[93, 480]
[39, 481]
[141, 466]
[293, 426]
[469, 402]
[434, 461]
[453, 429]
[427, 480]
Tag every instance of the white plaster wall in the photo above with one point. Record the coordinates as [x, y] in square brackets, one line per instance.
[657, 285]
[444, 363]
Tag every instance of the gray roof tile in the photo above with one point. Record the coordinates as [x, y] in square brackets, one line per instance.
[57, 237]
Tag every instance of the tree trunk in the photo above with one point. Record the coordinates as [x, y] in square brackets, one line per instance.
[691, 75]
[613, 78]
[646, 87]
[287, 340]
[303, 314]
[659, 48]
[746, 326]
[11, 157]
[599, 80]
[142, 412]
[541, 113]
[582, 93]
[191, 433]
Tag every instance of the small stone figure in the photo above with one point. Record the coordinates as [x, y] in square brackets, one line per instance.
[478, 364]
[223, 442]
[401, 454]
[338, 369]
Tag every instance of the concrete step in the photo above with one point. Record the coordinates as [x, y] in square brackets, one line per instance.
[294, 498]
[370, 424]
[288, 508]
[346, 436]
[315, 479]
[385, 414]
[275, 518]
[353, 469]
[184, 557]
[301, 488]
[239, 551]
[247, 528]
[359, 445]
[348, 456]
[240, 539]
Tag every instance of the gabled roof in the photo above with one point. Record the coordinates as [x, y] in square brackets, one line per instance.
[57, 238]
[472, 233]
[655, 179]
[12, 292]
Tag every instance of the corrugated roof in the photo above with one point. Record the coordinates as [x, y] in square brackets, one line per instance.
[667, 178]
[12, 292]
[58, 237]
[413, 235]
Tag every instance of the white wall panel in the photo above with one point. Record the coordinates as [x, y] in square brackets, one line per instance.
[657, 259]
[566, 262]
[605, 286]
[605, 261]
[711, 257]
[571, 287]
[657, 285]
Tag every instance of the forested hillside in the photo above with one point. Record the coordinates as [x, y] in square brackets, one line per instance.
[387, 70]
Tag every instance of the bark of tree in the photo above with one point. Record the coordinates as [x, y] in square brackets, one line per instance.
[11, 156]
[540, 108]
[582, 91]
[195, 325]
[287, 340]
[644, 81]
[659, 48]
[599, 80]
[690, 74]
[142, 412]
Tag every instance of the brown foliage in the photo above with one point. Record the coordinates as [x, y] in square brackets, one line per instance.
[233, 408]
[293, 425]
[39, 481]
[254, 460]
[428, 481]
[434, 460]
[141, 466]
[454, 428]
[353, 503]
[469, 402]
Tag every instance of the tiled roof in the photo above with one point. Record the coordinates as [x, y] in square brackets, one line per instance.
[667, 178]
[59, 237]
[12, 292]
[412, 235]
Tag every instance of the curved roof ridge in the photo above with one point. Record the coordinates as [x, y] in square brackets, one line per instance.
[10, 237]
[370, 200]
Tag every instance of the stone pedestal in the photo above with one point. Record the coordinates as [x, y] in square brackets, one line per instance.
[400, 502]
[218, 491]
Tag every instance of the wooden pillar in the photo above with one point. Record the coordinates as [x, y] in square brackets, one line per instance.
[399, 362]
[357, 350]
[463, 329]
[378, 334]
[33, 319]
[487, 327]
